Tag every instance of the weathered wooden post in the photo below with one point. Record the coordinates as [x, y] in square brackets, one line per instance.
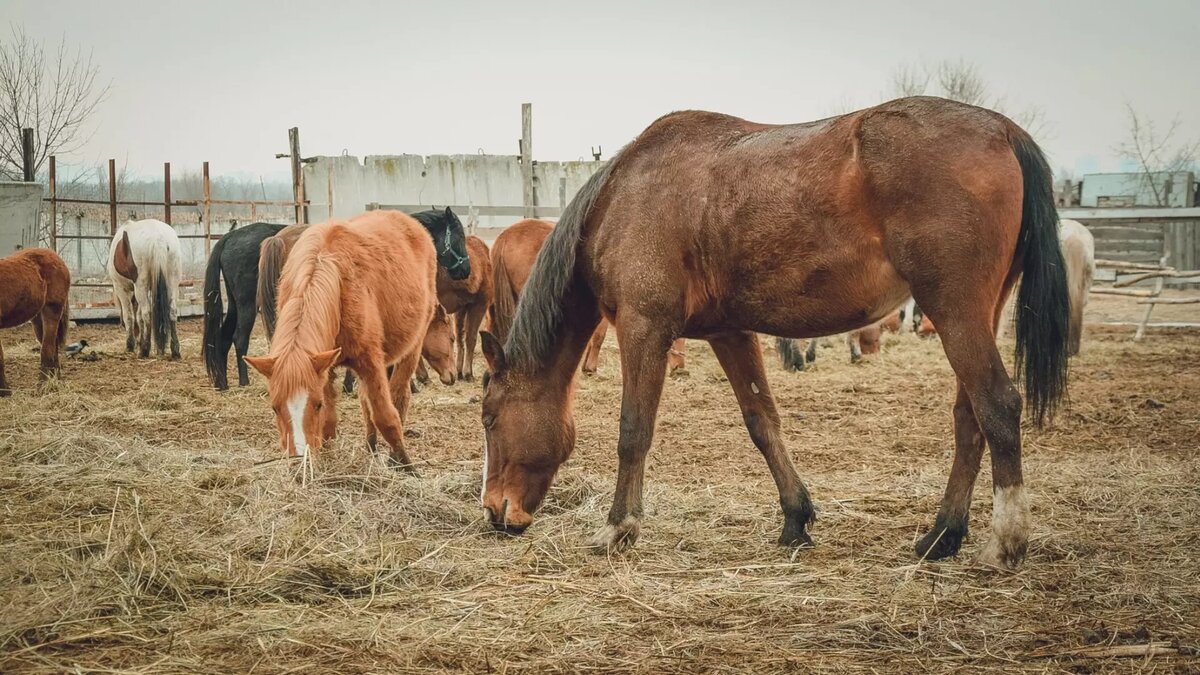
[53, 207]
[167, 192]
[112, 196]
[528, 198]
[297, 176]
[27, 154]
[207, 188]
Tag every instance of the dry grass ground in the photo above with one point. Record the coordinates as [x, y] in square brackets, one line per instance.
[142, 530]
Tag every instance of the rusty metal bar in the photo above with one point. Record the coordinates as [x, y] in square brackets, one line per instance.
[53, 206]
[112, 196]
[207, 213]
[167, 192]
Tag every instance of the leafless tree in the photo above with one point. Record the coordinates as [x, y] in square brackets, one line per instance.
[1157, 151]
[54, 94]
[960, 81]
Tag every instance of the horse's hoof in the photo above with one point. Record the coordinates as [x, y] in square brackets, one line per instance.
[616, 538]
[793, 538]
[402, 464]
[1002, 557]
[940, 542]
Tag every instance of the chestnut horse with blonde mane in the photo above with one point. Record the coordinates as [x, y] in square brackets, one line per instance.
[35, 288]
[361, 294]
[712, 227]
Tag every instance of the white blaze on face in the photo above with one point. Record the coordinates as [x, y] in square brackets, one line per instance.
[296, 408]
[483, 482]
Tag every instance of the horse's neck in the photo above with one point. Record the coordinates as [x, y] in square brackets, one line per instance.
[309, 320]
[579, 320]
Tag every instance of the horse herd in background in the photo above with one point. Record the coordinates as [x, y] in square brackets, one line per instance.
[678, 236]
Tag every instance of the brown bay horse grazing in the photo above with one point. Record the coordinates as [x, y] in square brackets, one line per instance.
[361, 294]
[711, 227]
[676, 356]
[35, 285]
[468, 301]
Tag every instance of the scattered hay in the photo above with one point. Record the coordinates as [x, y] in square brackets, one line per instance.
[145, 529]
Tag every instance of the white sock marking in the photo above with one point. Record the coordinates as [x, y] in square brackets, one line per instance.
[1010, 514]
[296, 408]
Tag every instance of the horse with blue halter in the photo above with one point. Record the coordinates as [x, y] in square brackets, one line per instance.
[716, 228]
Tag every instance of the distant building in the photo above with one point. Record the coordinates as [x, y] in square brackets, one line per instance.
[1101, 190]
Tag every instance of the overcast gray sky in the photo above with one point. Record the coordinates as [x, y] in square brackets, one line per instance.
[223, 80]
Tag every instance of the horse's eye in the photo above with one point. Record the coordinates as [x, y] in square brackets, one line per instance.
[317, 405]
[489, 421]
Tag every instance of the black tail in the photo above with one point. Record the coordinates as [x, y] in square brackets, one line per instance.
[270, 266]
[790, 354]
[1043, 302]
[213, 314]
[162, 311]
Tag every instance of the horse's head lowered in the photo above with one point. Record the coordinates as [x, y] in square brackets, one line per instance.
[528, 434]
[450, 241]
[297, 382]
[438, 348]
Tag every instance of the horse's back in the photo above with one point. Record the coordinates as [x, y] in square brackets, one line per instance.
[154, 246]
[516, 249]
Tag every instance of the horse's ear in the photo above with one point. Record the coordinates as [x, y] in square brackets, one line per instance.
[323, 361]
[263, 364]
[493, 352]
[449, 213]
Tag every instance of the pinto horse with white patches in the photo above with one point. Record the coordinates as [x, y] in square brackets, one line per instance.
[360, 294]
[145, 269]
[711, 227]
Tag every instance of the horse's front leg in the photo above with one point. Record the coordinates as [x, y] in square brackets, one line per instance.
[644, 344]
[740, 356]
[4, 390]
[373, 385]
[329, 423]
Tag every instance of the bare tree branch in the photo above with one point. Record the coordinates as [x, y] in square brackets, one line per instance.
[55, 95]
[1156, 152]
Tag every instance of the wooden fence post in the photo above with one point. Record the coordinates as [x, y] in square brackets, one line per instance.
[112, 196]
[167, 192]
[53, 207]
[297, 176]
[528, 197]
[27, 155]
[207, 212]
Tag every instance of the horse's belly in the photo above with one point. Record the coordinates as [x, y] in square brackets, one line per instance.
[802, 302]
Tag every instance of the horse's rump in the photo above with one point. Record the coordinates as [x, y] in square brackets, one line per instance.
[513, 255]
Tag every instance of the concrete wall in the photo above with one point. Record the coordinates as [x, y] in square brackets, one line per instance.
[478, 180]
[20, 206]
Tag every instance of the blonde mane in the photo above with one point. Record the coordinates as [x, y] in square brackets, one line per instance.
[310, 306]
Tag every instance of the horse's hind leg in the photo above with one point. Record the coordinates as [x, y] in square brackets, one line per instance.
[241, 341]
[141, 296]
[329, 426]
[740, 356]
[50, 317]
[473, 320]
[971, 349]
[224, 342]
[591, 357]
[950, 528]
[373, 386]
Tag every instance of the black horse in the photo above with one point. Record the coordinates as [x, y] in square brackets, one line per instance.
[235, 256]
[450, 240]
